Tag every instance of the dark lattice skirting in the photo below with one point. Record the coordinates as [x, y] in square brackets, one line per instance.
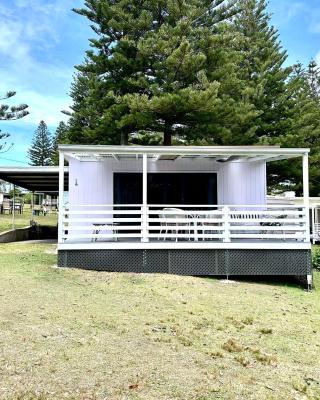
[191, 262]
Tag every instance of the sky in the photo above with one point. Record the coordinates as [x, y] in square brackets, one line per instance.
[42, 40]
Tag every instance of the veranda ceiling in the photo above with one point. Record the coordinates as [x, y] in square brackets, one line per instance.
[173, 153]
[36, 179]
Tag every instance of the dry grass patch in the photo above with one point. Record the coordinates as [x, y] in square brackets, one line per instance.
[72, 334]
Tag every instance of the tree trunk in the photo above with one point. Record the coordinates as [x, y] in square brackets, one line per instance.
[124, 138]
[167, 134]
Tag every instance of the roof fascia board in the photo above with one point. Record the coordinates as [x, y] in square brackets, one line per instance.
[219, 151]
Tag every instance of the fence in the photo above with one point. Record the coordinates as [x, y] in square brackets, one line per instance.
[183, 223]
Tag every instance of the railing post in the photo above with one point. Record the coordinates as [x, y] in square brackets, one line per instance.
[61, 195]
[145, 198]
[226, 225]
[144, 212]
[306, 200]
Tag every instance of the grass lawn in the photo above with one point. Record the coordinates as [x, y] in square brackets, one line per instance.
[72, 334]
[23, 220]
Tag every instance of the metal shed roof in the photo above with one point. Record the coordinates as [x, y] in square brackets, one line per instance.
[172, 153]
[37, 179]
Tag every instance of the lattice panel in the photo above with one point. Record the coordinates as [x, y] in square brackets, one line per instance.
[197, 262]
[102, 260]
[269, 262]
[191, 262]
[156, 261]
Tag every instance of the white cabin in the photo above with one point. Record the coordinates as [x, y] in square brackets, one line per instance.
[182, 208]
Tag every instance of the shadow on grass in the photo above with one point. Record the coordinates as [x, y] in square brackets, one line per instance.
[271, 280]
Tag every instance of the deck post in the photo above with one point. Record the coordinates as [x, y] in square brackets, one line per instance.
[32, 205]
[313, 220]
[14, 208]
[61, 197]
[145, 198]
[306, 200]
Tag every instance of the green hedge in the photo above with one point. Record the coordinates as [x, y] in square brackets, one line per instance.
[316, 257]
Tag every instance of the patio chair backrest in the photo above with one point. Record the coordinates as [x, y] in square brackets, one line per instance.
[246, 216]
[172, 215]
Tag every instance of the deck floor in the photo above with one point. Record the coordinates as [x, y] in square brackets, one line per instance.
[132, 243]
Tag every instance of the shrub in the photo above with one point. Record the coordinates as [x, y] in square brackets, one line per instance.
[316, 257]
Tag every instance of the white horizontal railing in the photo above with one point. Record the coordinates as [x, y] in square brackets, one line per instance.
[132, 222]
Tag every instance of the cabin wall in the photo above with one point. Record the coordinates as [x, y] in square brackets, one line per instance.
[239, 183]
[243, 183]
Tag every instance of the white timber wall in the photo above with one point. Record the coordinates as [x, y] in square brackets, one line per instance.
[239, 183]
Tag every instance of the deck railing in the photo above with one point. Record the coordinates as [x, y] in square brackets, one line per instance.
[184, 223]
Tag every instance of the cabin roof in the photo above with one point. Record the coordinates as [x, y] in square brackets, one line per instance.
[172, 153]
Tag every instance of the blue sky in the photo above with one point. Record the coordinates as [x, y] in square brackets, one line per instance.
[42, 40]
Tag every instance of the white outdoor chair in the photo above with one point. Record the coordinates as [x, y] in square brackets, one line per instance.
[167, 227]
[211, 228]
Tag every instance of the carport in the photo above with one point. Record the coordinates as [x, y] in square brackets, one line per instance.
[37, 179]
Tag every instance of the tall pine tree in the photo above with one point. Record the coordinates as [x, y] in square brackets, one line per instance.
[262, 68]
[41, 147]
[149, 70]
[313, 77]
[303, 130]
[59, 138]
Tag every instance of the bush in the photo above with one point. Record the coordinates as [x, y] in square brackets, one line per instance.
[316, 257]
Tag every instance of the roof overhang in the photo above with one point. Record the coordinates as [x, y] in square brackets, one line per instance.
[172, 153]
[35, 179]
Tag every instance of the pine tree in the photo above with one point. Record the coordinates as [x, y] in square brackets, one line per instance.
[313, 76]
[303, 130]
[149, 70]
[59, 138]
[8, 113]
[262, 68]
[4, 146]
[41, 148]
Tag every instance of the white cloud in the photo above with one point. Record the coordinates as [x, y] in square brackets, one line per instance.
[39, 44]
[26, 33]
[47, 108]
[317, 58]
[314, 26]
[41, 106]
[287, 10]
[11, 43]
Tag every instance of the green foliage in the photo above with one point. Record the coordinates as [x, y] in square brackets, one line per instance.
[60, 137]
[4, 146]
[16, 191]
[302, 130]
[27, 198]
[316, 257]
[194, 72]
[262, 69]
[150, 69]
[8, 113]
[40, 151]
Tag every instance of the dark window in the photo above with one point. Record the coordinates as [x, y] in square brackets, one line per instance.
[166, 188]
